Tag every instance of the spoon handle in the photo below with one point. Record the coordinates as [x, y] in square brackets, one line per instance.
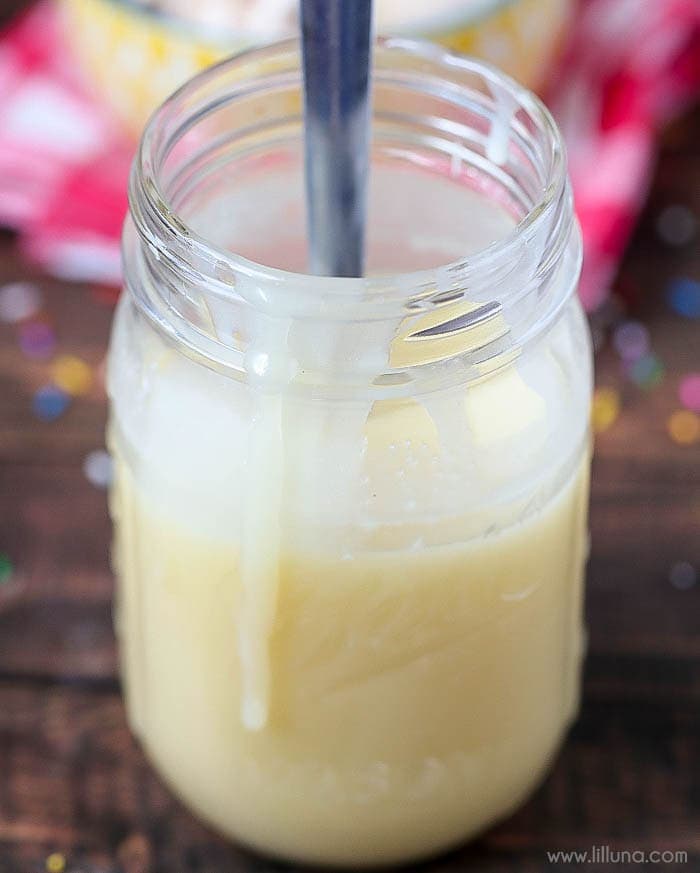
[336, 47]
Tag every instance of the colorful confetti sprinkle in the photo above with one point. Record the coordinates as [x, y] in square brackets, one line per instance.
[6, 569]
[689, 392]
[647, 372]
[684, 427]
[676, 225]
[50, 402]
[631, 341]
[605, 409]
[37, 340]
[19, 301]
[683, 575]
[684, 297]
[72, 374]
[55, 863]
[97, 467]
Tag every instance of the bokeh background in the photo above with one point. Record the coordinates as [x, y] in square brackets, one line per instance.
[77, 79]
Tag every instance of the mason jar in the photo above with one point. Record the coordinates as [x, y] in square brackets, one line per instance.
[350, 514]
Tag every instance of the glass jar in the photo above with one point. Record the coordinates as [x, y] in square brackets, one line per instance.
[350, 514]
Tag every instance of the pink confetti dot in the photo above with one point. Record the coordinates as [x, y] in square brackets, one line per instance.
[689, 392]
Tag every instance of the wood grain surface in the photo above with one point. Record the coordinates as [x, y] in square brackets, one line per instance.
[72, 779]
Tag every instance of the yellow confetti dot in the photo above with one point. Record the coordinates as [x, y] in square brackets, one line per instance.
[72, 374]
[684, 427]
[605, 409]
[55, 863]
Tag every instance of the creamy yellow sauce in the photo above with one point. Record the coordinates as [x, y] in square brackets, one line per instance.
[414, 695]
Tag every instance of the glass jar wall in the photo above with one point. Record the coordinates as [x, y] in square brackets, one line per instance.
[350, 514]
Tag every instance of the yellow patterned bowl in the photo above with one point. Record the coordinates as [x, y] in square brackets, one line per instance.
[134, 57]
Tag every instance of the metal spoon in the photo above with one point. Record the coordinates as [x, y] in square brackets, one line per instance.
[336, 46]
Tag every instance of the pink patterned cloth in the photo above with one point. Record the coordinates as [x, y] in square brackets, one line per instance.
[63, 160]
[631, 65]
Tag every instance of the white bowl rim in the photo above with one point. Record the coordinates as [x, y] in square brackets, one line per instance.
[438, 26]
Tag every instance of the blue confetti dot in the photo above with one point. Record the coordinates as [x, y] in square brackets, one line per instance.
[684, 297]
[50, 402]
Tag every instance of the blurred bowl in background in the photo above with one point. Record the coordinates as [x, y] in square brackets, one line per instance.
[135, 56]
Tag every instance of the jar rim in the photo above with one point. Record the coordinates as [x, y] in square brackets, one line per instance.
[155, 217]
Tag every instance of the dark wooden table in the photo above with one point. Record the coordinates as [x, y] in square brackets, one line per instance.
[72, 780]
